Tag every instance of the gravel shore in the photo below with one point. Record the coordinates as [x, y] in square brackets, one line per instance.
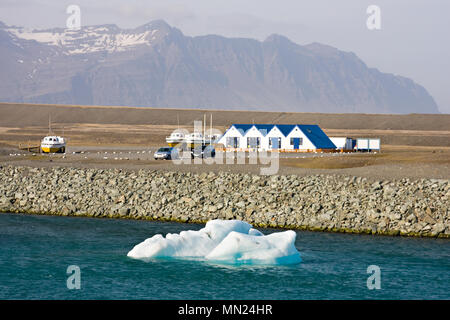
[336, 203]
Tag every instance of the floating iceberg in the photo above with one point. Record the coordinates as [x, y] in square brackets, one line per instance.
[222, 241]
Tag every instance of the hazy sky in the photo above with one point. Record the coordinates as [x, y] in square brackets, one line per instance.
[413, 40]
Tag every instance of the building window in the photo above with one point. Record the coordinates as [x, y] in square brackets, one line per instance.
[274, 142]
[300, 141]
[232, 142]
[253, 142]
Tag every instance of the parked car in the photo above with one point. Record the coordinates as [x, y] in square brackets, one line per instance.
[203, 152]
[166, 153]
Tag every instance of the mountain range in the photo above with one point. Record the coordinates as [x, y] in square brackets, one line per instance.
[156, 65]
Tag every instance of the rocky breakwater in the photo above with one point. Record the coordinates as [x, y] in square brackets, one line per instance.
[318, 202]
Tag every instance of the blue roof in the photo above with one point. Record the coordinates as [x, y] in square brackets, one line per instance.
[243, 128]
[286, 128]
[263, 128]
[317, 137]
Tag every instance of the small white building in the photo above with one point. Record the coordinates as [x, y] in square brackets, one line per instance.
[281, 137]
[368, 144]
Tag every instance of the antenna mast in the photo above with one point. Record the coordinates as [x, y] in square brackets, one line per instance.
[204, 127]
[49, 124]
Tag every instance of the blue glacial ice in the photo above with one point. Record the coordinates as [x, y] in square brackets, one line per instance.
[222, 241]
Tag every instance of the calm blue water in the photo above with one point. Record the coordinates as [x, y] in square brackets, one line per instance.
[35, 252]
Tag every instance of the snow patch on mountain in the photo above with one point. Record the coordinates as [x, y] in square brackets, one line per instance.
[88, 39]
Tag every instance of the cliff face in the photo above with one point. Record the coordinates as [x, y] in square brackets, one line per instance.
[156, 65]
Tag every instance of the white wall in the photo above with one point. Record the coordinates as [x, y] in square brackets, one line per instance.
[338, 142]
[374, 144]
[362, 143]
[342, 142]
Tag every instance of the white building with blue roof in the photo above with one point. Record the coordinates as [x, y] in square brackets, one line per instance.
[280, 137]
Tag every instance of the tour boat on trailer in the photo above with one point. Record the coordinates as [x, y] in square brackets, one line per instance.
[176, 139]
[53, 144]
[195, 139]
